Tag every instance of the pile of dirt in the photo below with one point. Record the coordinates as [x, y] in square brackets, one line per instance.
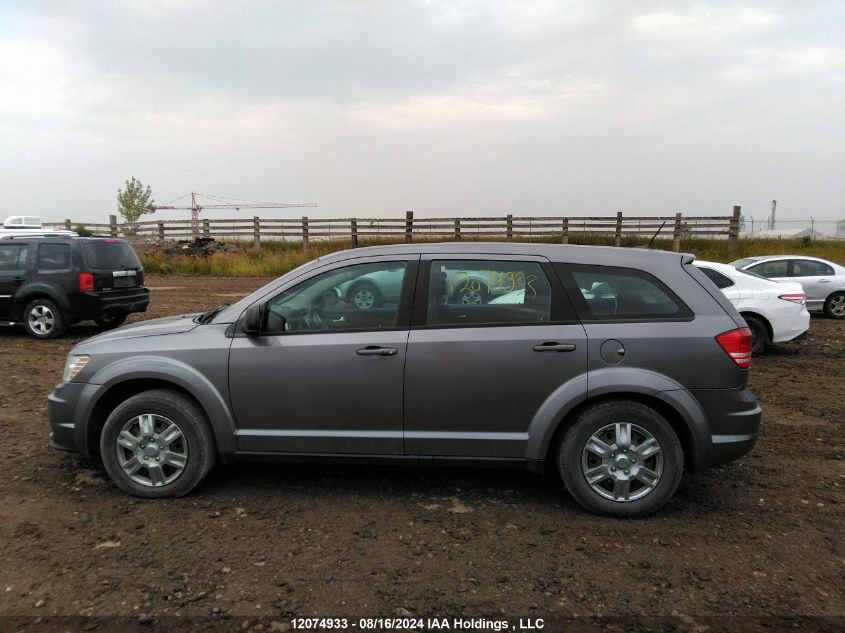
[197, 247]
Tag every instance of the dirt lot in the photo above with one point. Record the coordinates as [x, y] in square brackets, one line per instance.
[761, 537]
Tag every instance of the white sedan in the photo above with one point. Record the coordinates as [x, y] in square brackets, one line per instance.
[775, 311]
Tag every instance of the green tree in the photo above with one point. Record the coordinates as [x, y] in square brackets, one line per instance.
[135, 200]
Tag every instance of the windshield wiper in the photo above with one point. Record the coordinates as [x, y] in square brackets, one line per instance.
[206, 317]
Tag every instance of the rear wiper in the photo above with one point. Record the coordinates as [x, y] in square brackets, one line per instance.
[206, 317]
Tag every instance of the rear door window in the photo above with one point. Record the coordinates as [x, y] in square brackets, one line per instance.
[609, 293]
[487, 292]
[53, 256]
[13, 256]
[110, 254]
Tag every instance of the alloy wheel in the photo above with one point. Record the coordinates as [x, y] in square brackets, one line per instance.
[364, 298]
[622, 462]
[837, 305]
[152, 450]
[41, 319]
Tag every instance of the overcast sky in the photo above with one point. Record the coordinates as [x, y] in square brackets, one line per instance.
[370, 108]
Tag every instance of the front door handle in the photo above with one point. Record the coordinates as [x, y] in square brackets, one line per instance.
[824, 281]
[555, 347]
[375, 350]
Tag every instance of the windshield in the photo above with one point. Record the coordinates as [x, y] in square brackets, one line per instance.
[111, 254]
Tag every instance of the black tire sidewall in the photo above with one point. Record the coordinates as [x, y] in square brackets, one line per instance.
[598, 416]
[190, 419]
[58, 319]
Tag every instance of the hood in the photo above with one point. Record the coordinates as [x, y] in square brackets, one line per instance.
[152, 327]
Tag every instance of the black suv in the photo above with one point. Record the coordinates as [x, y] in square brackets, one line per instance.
[48, 282]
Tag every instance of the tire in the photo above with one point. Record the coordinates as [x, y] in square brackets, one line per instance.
[43, 319]
[574, 460]
[760, 338]
[194, 449]
[834, 306]
[365, 296]
[111, 321]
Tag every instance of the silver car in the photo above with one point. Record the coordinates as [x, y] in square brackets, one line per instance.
[823, 281]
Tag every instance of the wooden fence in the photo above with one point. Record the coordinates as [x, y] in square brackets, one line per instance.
[509, 227]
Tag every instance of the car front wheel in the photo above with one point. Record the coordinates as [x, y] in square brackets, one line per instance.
[157, 444]
[621, 458]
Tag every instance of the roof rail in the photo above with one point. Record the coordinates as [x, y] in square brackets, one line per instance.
[39, 234]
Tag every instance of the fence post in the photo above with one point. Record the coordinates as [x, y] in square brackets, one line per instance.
[206, 229]
[353, 228]
[509, 229]
[409, 227]
[733, 231]
[564, 235]
[617, 240]
[256, 231]
[676, 234]
[113, 226]
[304, 232]
[160, 230]
[457, 230]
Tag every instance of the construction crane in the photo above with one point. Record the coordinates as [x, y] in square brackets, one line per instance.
[235, 204]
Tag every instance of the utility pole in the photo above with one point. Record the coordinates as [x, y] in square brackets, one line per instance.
[195, 216]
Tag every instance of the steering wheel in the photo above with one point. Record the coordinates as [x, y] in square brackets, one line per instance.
[316, 319]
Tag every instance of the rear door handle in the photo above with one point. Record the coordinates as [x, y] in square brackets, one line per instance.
[555, 347]
[375, 350]
[824, 281]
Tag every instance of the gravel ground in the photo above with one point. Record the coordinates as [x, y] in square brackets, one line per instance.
[258, 544]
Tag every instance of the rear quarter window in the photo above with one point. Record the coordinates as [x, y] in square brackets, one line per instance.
[608, 293]
[721, 281]
[110, 254]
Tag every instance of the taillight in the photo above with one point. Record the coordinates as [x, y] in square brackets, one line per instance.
[86, 282]
[794, 298]
[737, 345]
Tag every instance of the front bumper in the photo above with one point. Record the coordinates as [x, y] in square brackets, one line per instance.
[65, 434]
[734, 417]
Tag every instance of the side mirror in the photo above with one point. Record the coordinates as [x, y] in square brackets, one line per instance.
[253, 320]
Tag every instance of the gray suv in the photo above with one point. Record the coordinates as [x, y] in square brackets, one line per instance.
[618, 368]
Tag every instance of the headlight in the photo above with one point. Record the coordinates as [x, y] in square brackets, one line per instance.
[74, 365]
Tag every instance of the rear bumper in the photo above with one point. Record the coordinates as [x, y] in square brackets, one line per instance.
[790, 328]
[96, 304]
[734, 418]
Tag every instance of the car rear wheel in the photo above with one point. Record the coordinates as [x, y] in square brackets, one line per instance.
[111, 321]
[834, 306]
[157, 444]
[43, 319]
[621, 458]
[759, 334]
